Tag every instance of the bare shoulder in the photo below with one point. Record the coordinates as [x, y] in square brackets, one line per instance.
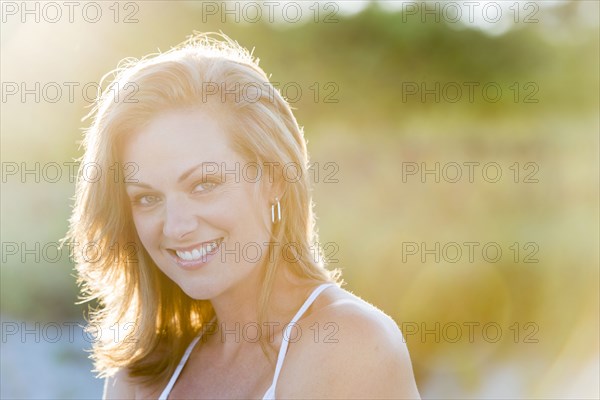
[348, 349]
[122, 386]
[119, 386]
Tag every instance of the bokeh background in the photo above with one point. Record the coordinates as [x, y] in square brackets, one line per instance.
[520, 324]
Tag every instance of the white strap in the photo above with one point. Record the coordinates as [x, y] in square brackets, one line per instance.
[165, 393]
[286, 335]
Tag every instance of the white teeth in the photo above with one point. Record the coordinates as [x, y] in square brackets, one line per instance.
[198, 253]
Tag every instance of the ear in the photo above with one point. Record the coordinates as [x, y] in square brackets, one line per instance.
[272, 184]
[275, 189]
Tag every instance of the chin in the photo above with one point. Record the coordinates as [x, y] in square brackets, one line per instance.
[195, 292]
[200, 292]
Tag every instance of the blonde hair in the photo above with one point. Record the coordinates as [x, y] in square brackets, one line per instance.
[131, 288]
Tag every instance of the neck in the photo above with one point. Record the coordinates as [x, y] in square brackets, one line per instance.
[237, 311]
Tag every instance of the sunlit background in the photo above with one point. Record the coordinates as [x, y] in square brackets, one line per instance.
[362, 77]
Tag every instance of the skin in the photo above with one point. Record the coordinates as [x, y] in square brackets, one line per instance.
[347, 348]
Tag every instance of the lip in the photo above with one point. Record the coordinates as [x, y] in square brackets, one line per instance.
[195, 264]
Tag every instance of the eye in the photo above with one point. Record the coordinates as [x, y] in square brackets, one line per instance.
[204, 187]
[146, 200]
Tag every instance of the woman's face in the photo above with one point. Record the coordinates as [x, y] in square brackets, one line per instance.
[199, 220]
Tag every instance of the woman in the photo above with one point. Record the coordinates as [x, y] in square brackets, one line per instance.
[207, 281]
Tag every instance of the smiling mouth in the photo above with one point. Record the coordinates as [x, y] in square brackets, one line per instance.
[198, 252]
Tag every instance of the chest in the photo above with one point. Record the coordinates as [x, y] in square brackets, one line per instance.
[205, 376]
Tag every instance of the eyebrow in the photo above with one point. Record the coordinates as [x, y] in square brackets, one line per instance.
[183, 177]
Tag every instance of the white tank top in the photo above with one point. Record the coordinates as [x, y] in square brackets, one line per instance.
[270, 393]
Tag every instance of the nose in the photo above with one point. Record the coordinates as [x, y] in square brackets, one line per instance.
[179, 219]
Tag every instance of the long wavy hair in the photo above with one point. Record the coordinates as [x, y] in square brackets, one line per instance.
[149, 310]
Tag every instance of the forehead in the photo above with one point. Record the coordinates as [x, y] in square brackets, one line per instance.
[176, 140]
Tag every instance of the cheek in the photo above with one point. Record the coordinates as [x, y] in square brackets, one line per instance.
[146, 229]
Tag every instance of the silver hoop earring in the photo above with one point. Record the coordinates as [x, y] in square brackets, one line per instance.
[276, 211]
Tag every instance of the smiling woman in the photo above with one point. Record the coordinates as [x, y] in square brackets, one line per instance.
[224, 297]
